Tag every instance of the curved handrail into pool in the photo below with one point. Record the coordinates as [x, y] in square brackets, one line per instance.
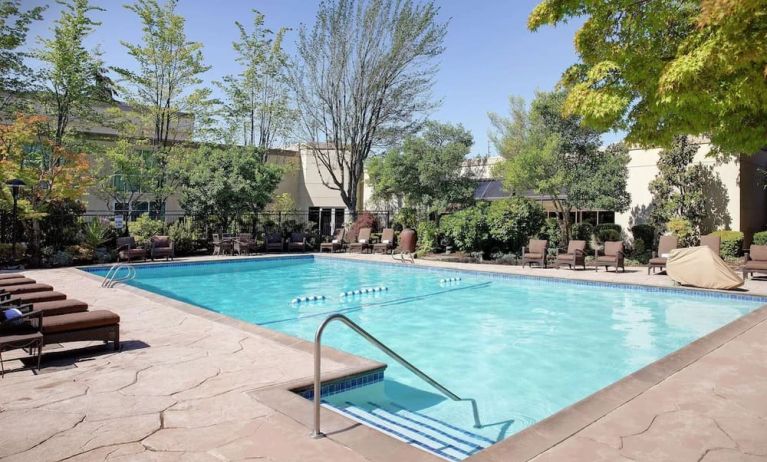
[403, 256]
[376, 343]
[110, 280]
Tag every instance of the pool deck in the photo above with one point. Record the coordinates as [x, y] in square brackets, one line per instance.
[189, 384]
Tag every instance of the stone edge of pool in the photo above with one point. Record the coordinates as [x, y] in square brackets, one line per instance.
[522, 446]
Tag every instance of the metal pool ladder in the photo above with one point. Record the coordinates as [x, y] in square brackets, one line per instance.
[376, 343]
[111, 279]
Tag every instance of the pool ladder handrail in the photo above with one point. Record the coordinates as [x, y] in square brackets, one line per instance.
[110, 279]
[316, 433]
[404, 257]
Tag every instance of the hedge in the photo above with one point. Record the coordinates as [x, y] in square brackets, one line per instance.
[760, 238]
[732, 243]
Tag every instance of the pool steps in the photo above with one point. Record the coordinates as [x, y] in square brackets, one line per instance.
[416, 429]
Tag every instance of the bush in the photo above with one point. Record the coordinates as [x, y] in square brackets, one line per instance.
[405, 218]
[582, 232]
[683, 230]
[608, 234]
[364, 220]
[760, 238]
[551, 232]
[613, 226]
[143, 228]
[96, 233]
[184, 237]
[732, 243]
[428, 237]
[467, 229]
[644, 241]
[511, 222]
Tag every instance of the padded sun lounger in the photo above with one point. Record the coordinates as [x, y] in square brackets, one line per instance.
[27, 288]
[16, 281]
[51, 308]
[37, 297]
[82, 327]
[10, 276]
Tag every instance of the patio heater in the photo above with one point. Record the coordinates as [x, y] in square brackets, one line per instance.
[15, 186]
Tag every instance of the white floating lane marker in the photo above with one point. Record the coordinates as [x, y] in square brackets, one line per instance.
[364, 290]
[311, 298]
[446, 280]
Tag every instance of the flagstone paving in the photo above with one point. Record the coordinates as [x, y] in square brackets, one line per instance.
[181, 388]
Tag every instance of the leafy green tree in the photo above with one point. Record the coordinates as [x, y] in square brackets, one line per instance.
[124, 173]
[553, 154]
[661, 69]
[512, 222]
[72, 74]
[427, 171]
[164, 90]
[15, 76]
[687, 190]
[362, 74]
[257, 104]
[225, 183]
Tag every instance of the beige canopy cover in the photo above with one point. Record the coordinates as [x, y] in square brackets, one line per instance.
[701, 267]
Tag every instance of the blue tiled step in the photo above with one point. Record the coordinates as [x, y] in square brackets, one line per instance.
[424, 432]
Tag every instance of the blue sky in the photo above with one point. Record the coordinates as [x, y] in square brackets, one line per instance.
[490, 53]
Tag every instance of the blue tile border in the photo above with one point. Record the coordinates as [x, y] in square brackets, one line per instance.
[337, 386]
[97, 268]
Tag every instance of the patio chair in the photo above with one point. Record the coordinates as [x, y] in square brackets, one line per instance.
[387, 242]
[362, 243]
[613, 255]
[222, 246]
[336, 244]
[297, 242]
[755, 261]
[712, 242]
[20, 332]
[535, 252]
[161, 247]
[665, 245]
[243, 244]
[273, 241]
[127, 249]
[575, 255]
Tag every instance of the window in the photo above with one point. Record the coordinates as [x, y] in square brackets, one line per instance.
[156, 210]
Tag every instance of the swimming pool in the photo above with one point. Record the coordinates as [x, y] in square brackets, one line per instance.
[523, 348]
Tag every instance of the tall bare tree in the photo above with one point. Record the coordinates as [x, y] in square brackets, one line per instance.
[257, 104]
[363, 74]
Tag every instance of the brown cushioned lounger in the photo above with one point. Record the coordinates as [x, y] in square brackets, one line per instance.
[16, 282]
[27, 288]
[37, 297]
[82, 327]
[58, 307]
[10, 276]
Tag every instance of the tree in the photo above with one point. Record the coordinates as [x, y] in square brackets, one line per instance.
[552, 154]
[684, 189]
[661, 69]
[72, 74]
[15, 76]
[164, 90]
[124, 173]
[257, 105]
[52, 173]
[225, 183]
[362, 74]
[427, 170]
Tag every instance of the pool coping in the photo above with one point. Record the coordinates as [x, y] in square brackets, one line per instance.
[522, 446]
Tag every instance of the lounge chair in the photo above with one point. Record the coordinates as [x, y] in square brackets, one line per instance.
[575, 255]
[362, 243]
[51, 308]
[665, 245]
[274, 241]
[84, 326]
[755, 261]
[612, 256]
[26, 288]
[10, 276]
[336, 244]
[243, 244]
[22, 332]
[297, 242]
[712, 242]
[387, 242]
[535, 252]
[32, 297]
[16, 281]
[161, 247]
[222, 246]
[127, 249]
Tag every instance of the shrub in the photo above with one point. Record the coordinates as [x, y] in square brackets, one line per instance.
[511, 222]
[62, 258]
[732, 243]
[644, 241]
[683, 230]
[760, 238]
[467, 229]
[364, 220]
[143, 228]
[405, 218]
[184, 237]
[96, 233]
[552, 232]
[608, 234]
[614, 226]
[428, 237]
[582, 232]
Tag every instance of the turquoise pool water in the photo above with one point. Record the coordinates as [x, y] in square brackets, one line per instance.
[523, 348]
